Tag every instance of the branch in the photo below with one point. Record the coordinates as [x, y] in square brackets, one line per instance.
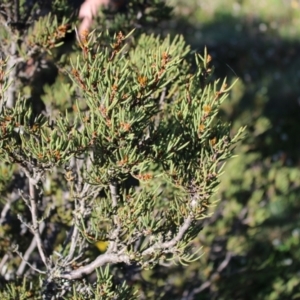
[169, 244]
[98, 262]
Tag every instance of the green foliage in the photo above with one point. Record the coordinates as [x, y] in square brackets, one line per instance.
[127, 151]
[22, 291]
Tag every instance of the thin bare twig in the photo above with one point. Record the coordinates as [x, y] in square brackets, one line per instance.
[73, 238]
[191, 295]
[28, 252]
[169, 244]
[29, 264]
[11, 92]
[75, 232]
[35, 227]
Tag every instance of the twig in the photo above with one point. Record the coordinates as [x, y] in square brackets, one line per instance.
[114, 235]
[169, 244]
[10, 93]
[35, 227]
[29, 264]
[72, 236]
[208, 283]
[28, 252]
[74, 239]
[225, 262]
[14, 197]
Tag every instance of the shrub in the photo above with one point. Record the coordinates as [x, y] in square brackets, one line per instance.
[114, 171]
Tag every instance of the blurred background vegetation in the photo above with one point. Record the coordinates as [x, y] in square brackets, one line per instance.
[251, 244]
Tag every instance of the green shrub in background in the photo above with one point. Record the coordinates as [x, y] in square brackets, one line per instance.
[109, 172]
